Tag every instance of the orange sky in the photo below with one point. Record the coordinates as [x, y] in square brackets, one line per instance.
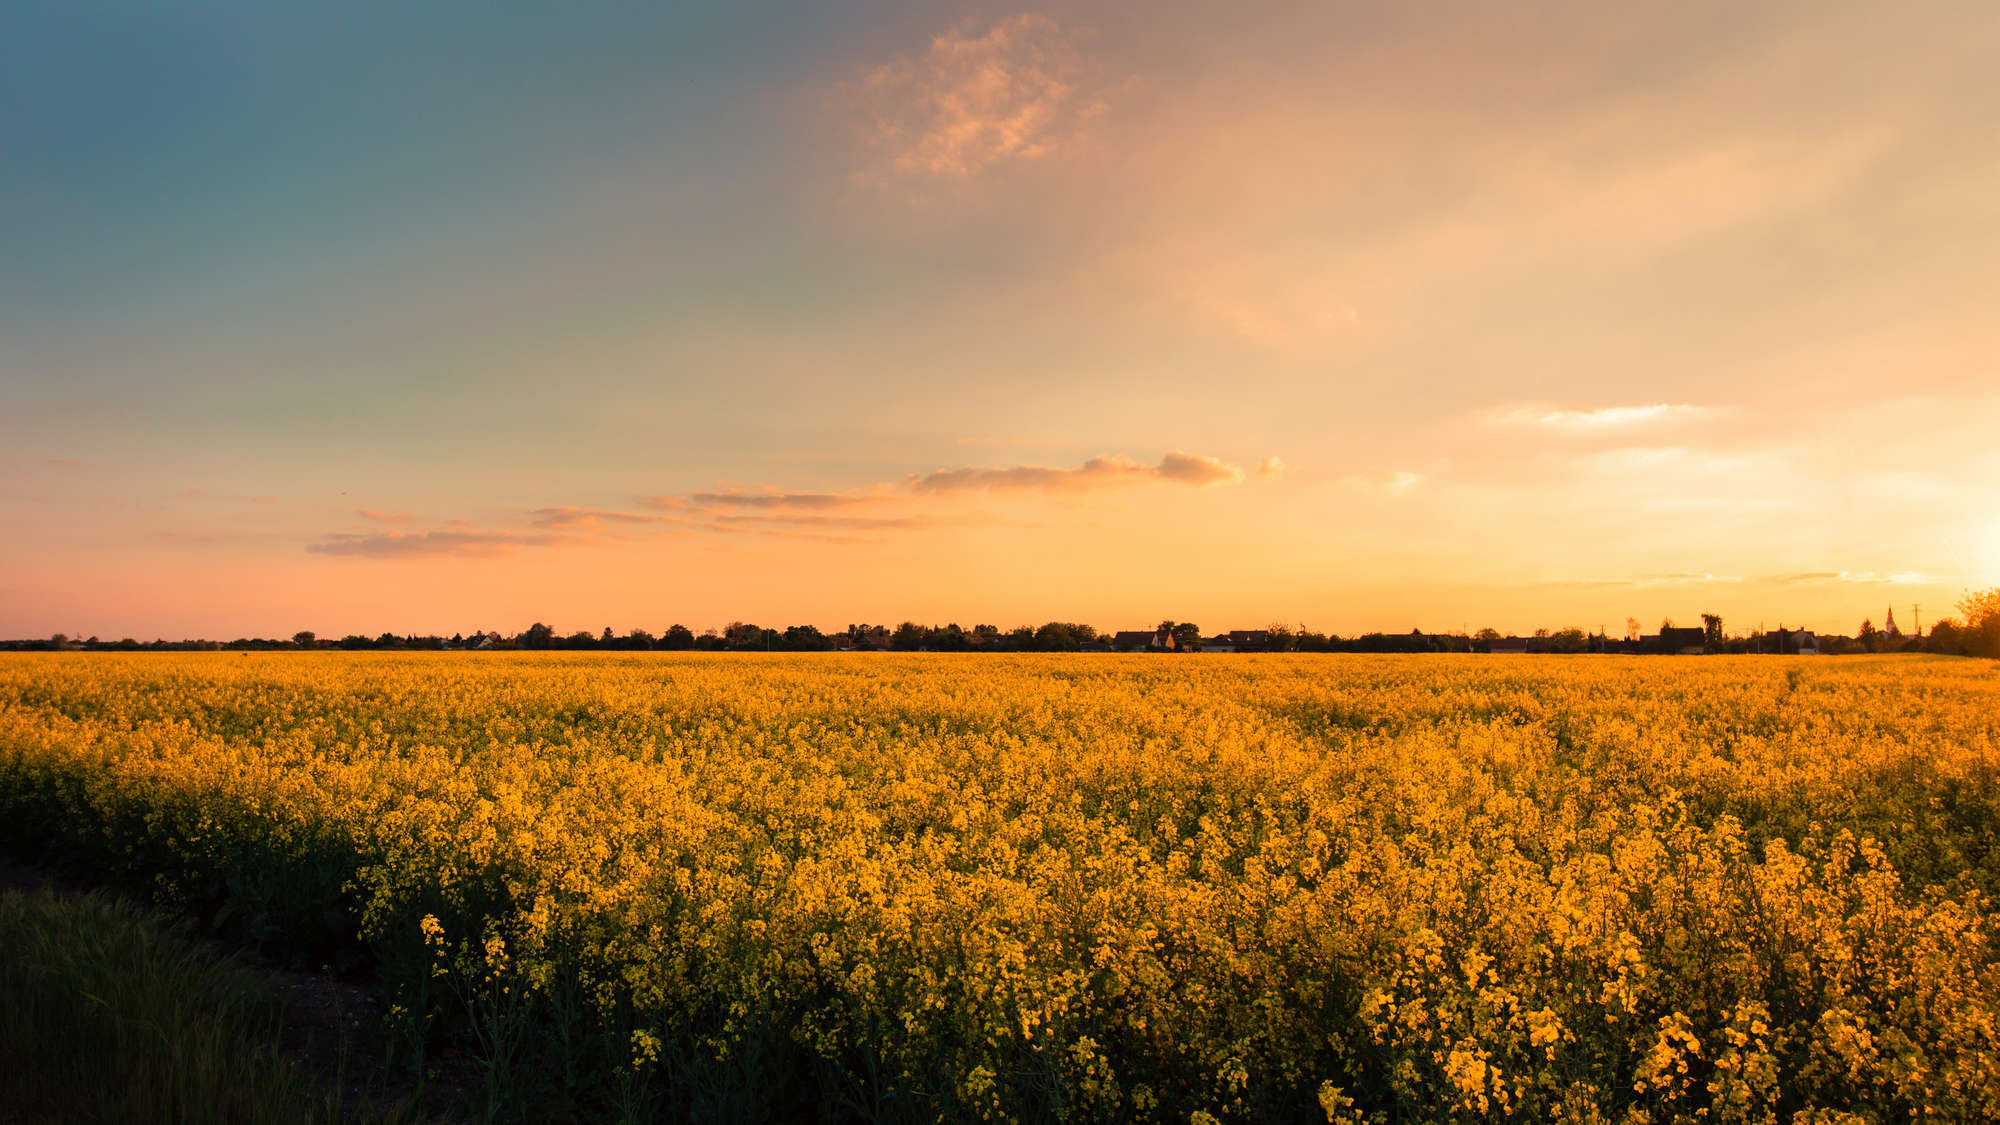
[1356, 318]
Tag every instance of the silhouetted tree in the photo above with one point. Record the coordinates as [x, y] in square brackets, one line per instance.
[1061, 636]
[1946, 637]
[1979, 633]
[1711, 625]
[679, 638]
[1570, 640]
[538, 636]
[805, 638]
[304, 638]
[1187, 635]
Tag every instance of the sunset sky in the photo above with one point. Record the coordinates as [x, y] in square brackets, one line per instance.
[428, 318]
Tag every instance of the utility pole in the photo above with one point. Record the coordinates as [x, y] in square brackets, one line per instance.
[1917, 612]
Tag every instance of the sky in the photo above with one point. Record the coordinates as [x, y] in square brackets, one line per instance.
[373, 317]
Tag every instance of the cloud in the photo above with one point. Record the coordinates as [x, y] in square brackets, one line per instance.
[568, 518]
[1019, 91]
[1394, 481]
[840, 523]
[766, 499]
[775, 512]
[384, 517]
[416, 544]
[1603, 419]
[1861, 577]
[1679, 578]
[1103, 471]
[1273, 468]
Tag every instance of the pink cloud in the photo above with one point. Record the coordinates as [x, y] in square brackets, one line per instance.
[1103, 471]
[417, 544]
[1018, 91]
[591, 519]
[759, 498]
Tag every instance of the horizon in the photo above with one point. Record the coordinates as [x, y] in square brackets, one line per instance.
[365, 321]
[324, 639]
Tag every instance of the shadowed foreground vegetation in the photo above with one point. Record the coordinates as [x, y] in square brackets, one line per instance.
[107, 1015]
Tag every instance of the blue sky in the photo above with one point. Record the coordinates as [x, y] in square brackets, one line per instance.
[1538, 317]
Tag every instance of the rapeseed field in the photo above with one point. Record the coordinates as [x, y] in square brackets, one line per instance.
[1088, 888]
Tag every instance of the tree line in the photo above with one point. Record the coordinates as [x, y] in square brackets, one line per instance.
[1975, 632]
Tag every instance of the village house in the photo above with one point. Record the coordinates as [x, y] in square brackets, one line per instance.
[1249, 640]
[1137, 640]
[1691, 641]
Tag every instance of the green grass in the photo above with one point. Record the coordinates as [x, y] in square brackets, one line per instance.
[108, 1014]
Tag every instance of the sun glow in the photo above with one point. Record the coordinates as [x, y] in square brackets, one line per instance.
[1985, 560]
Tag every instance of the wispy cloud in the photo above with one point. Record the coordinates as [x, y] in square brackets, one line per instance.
[417, 544]
[1603, 419]
[1862, 577]
[885, 507]
[762, 499]
[1017, 91]
[1679, 578]
[384, 517]
[568, 518]
[1106, 471]
[1392, 481]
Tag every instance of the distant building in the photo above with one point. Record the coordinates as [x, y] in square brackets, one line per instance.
[1686, 642]
[1508, 645]
[1801, 642]
[1218, 643]
[1249, 640]
[1134, 640]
